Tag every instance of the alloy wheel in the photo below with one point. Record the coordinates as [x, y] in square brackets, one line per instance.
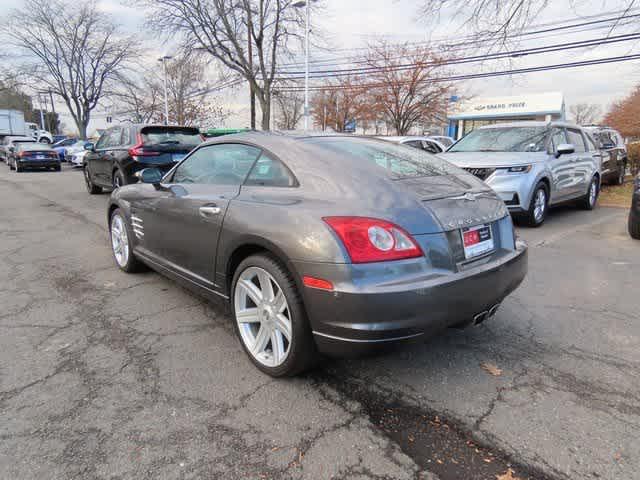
[263, 317]
[593, 192]
[540, 205]
[119, 240]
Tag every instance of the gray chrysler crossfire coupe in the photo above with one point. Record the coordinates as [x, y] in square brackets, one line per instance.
[322, 244]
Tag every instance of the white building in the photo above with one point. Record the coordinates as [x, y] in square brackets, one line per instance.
[466, 115]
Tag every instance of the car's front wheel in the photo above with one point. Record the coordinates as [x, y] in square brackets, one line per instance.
[538, 206]
[620, 177]
[121, 243]
[270, 318]
[119, 179]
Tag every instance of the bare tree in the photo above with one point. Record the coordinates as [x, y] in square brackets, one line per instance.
[496, 20]
[75, 54]
[228, 29]
[290, 109]
[585, 113]
[138, 100]
[404, 86]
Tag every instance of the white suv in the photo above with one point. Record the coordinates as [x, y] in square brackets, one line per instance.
[532, 165]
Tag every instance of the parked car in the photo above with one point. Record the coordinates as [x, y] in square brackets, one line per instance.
[532, 165]
[333, 244]
[77, 158]
[123, 150]
[428, 144]
[33, 155]
[634, 214]
[76, 147]
[10, 142]
[443, 139]
[57, 138]
[61, 147]
[614, 158]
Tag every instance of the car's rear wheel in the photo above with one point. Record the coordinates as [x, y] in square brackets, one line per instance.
[91, 188]
[121, 243]
[538, 206]
[118, 179]
[620, 178]
[270, 318]
[589, 201]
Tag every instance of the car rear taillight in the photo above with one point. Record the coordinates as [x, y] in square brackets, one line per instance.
[138, 149]
[373, 240]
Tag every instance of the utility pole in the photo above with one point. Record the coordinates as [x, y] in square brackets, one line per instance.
[253, 93]
[164, 59]
[54, 123]
[306, 68]
[41, 112]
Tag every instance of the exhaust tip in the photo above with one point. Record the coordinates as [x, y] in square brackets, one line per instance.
[480, 317]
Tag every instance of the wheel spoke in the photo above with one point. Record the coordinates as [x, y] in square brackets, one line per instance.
[249, 315]
[277, 346]
[279, 302]
[252, 291]
[265, 286]
[283, 325]
[261, 340]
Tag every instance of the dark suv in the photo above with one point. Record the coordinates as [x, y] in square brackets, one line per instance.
[634, 214]
[123, 150]
[614, 153]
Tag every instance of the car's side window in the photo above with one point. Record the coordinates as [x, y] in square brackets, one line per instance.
[269, 172]
[431, 147]
[591, 143]
[223, 164]
[103, 140]
[558, 137]
[575, 138]
[414, 143]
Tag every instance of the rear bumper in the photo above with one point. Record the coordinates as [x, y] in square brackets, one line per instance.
[39, 164]
[345, 323]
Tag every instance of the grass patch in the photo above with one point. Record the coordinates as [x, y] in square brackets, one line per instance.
[617, 195]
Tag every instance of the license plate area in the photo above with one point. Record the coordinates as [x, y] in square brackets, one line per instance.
[477, 240]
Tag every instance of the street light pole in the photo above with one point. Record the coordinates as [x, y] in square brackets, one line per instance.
[306, 68]
[166, 97]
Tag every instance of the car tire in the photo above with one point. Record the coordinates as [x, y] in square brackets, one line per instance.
[91, 187]
[58, 168]
[619, 180]
[300, 351]
[590, 200]
[44, 140]
[119, 179]
[11, 167]
[538, 206]
[634, 226]
[121, 235]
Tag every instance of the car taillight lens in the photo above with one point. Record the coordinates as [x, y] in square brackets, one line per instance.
[138, 149]
[373, 240]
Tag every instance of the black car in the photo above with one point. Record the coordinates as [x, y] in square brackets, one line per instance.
[32, 155]
[634, 214]
[614, 153]
[126, 149]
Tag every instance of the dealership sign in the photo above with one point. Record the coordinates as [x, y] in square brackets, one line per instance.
[521, 105]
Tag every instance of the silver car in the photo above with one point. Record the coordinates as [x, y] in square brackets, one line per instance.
[532, 165]
[322, 244]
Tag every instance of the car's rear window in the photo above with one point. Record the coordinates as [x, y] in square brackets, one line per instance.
[34, 146]
[171, 136]
[399, 161]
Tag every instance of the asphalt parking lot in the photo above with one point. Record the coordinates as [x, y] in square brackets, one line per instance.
[114, 376]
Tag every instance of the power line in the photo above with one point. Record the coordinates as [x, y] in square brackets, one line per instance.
[452, 78]
[471, 59]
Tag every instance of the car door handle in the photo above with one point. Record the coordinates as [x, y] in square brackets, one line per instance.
[209, 211]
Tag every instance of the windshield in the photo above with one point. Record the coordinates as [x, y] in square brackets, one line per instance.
[171, 136]
[399, 161]
[503, 139]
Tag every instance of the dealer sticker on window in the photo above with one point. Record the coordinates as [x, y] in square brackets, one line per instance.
[477, 240]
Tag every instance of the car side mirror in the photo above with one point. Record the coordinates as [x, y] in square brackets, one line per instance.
[564, 149]
[90, 147]
[150, 175]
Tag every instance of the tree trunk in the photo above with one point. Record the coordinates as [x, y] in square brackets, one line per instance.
[265, 106]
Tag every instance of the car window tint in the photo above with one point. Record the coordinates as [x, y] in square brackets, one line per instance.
[575, 138]
[225, 164]
[431, 147]
[269, 172]
[414, 143]
[107, 139]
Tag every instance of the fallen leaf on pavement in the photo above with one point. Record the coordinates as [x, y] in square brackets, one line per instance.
[507, 476]
[491, 369]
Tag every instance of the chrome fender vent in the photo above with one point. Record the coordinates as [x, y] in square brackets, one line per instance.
[138, 227]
